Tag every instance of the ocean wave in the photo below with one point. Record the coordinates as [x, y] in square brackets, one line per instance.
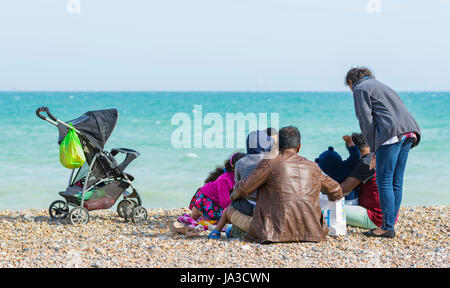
[191, 155]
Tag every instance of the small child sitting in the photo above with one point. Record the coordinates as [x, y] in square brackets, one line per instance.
[210, 200]
[332, 164]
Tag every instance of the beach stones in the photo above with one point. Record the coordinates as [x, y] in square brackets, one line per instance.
[30, 238]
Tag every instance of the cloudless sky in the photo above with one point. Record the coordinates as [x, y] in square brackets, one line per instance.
[222, 44]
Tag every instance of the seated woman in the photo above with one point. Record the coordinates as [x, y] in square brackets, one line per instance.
[259, 146]
[210, 200]
[334, 166]
[368, 213]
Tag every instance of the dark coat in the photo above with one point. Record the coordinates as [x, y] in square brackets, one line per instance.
[381, 113]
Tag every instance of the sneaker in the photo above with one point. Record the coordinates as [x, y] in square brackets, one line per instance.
[236, 232]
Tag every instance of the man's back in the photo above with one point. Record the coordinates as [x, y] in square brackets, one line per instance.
[287, 206]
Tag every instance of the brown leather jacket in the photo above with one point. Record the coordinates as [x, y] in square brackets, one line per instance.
[287, 207]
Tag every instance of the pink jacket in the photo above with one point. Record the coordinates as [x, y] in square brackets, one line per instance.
[219, 190]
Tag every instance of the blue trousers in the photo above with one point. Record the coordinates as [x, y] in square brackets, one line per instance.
[391, 163]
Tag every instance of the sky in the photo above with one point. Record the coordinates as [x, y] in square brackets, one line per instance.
[227, 45]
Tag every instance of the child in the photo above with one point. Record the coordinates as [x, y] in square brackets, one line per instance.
[332, 164]
[210, 200]
[259, 145]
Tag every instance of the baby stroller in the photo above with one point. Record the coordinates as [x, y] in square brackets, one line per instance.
[101, 180]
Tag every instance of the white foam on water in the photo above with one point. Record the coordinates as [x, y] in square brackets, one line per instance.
[192, 155]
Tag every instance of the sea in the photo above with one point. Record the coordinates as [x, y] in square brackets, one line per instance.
[182, 136]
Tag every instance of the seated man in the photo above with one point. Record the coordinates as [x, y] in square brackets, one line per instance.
[287, 207]
[368, 213]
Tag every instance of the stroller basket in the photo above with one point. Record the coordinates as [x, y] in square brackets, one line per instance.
[100, 196]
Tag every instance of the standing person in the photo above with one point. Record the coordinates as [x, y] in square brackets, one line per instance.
[390, 131]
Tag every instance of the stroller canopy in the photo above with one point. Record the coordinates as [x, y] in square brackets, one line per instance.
[95, 126]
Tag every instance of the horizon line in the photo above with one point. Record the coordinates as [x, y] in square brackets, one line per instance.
[208, 91]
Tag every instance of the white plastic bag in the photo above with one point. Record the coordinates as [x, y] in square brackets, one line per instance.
[334, 215]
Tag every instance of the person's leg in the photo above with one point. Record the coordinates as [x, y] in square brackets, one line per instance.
[357, 216]
[213, 211]
[224, 220]
[195, 213]
[386, 161]
[194, 205]
[399, 173]
[238, 219]
[203, 206]
[243, 206]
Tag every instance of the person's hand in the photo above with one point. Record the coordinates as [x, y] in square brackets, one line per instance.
[233, 196]
[348, 140]
[373, 163]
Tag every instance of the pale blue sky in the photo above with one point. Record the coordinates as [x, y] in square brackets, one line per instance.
[222, 44]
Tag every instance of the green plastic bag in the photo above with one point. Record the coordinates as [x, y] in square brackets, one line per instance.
[93, 193]
[71, 153]
[87, 194]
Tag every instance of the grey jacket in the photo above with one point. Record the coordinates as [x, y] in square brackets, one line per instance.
[381, 113]
[244, 167]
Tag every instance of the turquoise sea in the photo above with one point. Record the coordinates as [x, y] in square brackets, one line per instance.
[167, 177]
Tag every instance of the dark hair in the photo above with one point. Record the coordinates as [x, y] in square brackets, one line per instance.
[289, 137]
[359, 140]
[213, 175]
[271, 131]
[356, 74]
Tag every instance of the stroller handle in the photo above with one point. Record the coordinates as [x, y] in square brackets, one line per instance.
[46, 110]
[55, 120]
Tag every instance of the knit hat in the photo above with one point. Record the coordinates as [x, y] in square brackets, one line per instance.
[331, 164]
[259, 142]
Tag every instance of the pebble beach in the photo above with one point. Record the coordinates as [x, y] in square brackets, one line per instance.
[30, 238]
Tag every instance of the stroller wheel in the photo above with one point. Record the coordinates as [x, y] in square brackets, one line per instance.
[58, 210]
[139, 214]
[125, 207]
[79, 215]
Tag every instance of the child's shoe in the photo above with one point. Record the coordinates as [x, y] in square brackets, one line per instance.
[214, 235]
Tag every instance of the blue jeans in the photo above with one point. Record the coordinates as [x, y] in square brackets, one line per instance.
[391, 164]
